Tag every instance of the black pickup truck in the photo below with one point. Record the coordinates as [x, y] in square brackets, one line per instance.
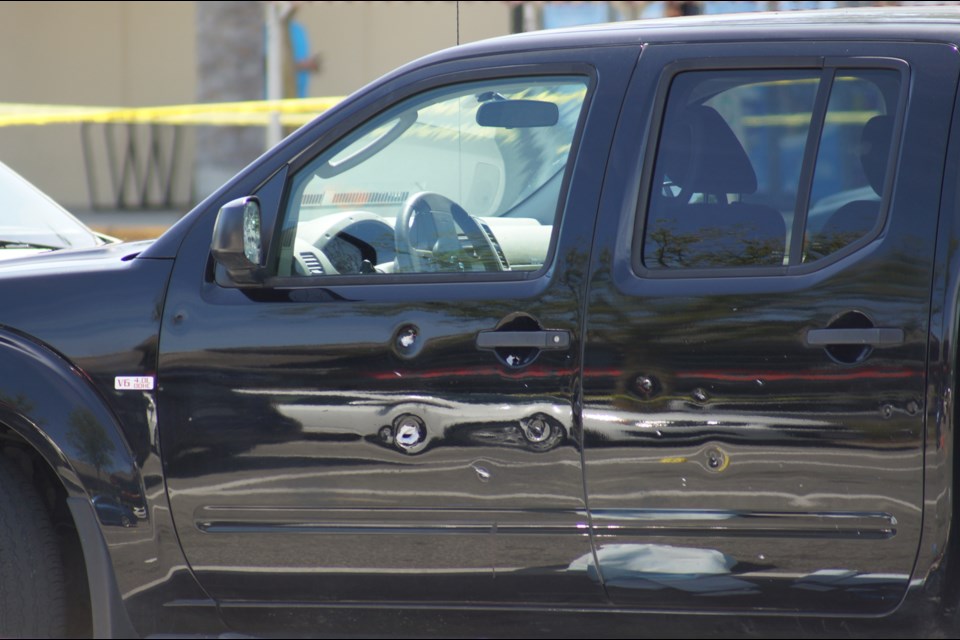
[591, 326]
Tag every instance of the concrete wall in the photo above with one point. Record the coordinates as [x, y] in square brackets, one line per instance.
[144, 54]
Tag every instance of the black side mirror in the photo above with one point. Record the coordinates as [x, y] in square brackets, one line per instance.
[237, 245]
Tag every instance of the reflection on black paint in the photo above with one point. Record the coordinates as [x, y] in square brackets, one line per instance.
[91, 440]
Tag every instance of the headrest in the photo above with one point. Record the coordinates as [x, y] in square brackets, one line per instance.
[875, 150]
[701, 154]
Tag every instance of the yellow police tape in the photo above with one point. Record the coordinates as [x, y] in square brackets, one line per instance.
[255, 113]
[293, 113]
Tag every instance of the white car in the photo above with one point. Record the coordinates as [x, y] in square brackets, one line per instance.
[31, 222]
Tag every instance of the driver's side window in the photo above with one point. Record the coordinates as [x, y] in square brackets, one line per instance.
[466, 178]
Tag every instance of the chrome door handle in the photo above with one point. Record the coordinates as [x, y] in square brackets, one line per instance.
[549, 339]
[873, 336]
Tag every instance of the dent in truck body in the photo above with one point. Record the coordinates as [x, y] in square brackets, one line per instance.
[729, 373]
[63, 347]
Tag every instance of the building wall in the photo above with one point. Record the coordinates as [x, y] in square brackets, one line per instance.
[87, 53]
[144, 54]
[360, 41]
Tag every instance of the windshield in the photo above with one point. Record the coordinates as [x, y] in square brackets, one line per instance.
[28, 216]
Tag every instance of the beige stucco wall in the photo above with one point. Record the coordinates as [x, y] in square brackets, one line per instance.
[360, 41]
[87, 53]
[143, 54]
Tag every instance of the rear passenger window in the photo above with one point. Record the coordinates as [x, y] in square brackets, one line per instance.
[734, 180]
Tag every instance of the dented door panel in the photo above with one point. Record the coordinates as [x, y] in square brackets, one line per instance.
[733, 459]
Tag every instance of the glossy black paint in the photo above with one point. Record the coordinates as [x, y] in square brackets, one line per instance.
[688, 420]
[289, 478]
[84, 318]
[773, 475]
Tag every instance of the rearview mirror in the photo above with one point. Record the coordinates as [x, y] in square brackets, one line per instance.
[518, 114]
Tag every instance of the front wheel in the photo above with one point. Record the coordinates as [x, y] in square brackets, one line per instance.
[32, 598]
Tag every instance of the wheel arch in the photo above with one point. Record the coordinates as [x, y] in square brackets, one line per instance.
[55, 407]
[51, 407]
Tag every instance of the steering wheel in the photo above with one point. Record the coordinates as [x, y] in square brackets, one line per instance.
[434, 218]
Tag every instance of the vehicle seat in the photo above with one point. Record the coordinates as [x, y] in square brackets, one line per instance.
[698, 219]
[855, 219]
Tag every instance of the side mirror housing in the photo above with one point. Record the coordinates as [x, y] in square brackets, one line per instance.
[237, 245]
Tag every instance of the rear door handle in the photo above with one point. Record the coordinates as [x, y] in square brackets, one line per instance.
[873, 336]
[545, 340]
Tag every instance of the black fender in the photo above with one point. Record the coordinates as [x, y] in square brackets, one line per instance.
[110, 619]
[133, 560]
[53, 407]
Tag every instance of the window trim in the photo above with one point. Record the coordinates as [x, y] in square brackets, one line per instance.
[586, 71]
[828, 66]
[808, 168]
[896, 134]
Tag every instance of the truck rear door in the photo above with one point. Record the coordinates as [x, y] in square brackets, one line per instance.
[758, 311]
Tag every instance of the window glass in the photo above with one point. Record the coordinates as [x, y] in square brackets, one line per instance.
[727, 175]
[728, 168]
[851, 161]
[462, 179]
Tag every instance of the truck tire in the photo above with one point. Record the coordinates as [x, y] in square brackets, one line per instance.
[32, 597]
